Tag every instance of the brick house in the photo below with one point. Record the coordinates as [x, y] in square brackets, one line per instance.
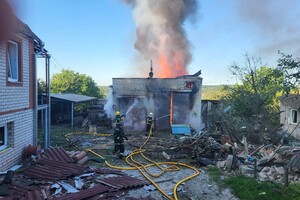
[289, 116]
[18, 106]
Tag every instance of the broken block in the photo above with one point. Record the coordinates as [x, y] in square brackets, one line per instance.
[262, 176]
[279, 170]
[248, 171]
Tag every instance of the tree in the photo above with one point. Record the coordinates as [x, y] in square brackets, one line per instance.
[253, 99]
[68, 81]
[291, 70]
[41, 86]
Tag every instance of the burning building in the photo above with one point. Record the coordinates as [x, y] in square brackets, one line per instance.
[171, 100]
[160, 36]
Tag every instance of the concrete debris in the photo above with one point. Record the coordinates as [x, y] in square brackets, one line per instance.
[279, 170]
[265, 162]
[229, 162]
[262, 176]
[244, 169]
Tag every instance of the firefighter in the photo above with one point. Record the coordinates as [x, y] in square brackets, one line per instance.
[119, 140]
[149, 122]
[119, 118]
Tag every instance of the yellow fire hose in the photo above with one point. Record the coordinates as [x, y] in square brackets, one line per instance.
[135, 165]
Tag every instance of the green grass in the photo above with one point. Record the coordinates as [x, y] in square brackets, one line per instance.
[212, 92]
[57, 135]
[246, 188]
[214, 173]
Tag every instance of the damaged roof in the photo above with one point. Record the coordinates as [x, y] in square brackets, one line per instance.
[291, 100]
[76, 98]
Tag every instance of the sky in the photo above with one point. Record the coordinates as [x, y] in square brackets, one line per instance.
[96, 37]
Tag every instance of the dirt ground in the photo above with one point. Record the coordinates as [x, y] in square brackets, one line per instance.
[200, 187]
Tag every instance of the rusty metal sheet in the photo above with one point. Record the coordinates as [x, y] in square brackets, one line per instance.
[85, 193]
[108, 171]
[60, 165]
[123, 182]
[58, 154]
[52, 170]
[19, 192]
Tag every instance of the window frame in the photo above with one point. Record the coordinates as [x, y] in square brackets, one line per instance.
[5, 145]
[292, 119]
[9, 42]
[11, 82]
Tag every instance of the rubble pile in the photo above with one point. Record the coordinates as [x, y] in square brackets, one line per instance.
[57, 174]
[265, 162]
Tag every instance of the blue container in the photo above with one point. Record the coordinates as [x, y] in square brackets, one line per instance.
[181, 129]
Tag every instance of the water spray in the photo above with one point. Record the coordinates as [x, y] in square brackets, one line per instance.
[130, 108]
[162, 117]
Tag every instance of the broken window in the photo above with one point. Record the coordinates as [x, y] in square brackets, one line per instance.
[294, 116]
[3, 137]
[189, 85]
[13, 61]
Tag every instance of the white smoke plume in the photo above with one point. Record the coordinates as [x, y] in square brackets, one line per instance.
[108, 107]
[160, 33]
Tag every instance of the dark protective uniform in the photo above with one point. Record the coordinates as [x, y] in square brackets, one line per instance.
[119, 119]
[119, 140]
[149, 122]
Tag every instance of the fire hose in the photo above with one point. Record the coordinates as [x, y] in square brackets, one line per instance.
[135, 165]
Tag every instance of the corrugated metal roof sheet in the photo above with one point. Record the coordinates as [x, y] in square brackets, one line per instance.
[26, 193]
[76, 98]
[122, 182]
[53, 170]
[85, 193]
[108, 171]
[57, 153]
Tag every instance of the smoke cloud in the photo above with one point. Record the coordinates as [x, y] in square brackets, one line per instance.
[160, 35]
[276, 22]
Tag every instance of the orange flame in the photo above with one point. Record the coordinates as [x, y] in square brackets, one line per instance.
[171, 67]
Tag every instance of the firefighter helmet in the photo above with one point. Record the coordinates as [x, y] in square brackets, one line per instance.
[118, 113]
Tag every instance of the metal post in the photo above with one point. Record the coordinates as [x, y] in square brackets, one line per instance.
[35, 126]
[72, 114]
[45, 116]
[47, 110]
[286, 176]
[49, 101]
[255, 168]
